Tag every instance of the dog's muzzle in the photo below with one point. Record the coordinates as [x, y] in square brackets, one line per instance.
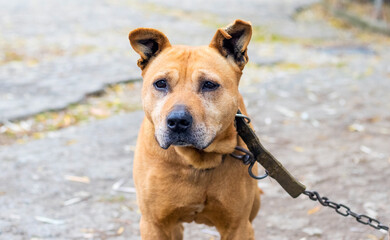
[179, 126]
[180, 130]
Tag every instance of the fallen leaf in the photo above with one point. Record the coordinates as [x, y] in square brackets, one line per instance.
[120, 231]
[372, 237]
[356, 127]
[21, 141]
[32, 62]
[38, 135]
[68, 120]
[314, 210]
[82, 179]
[70, 142]
[368, 71]
[374, 119]
[99, 112]
[299, 149]
[117, 88]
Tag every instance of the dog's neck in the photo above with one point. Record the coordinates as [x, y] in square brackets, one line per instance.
[212, 156]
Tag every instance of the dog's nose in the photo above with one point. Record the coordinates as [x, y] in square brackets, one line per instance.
[179, 119]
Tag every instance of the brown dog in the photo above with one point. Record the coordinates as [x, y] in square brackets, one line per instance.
[182, 169]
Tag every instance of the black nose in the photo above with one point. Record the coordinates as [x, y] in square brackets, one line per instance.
[179, 119]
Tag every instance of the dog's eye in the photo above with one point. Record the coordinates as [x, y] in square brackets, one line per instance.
[209, 86]
[160, 84]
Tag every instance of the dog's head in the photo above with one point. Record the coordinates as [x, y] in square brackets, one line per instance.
[190, 94]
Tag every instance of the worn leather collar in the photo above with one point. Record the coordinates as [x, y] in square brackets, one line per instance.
[274, 168]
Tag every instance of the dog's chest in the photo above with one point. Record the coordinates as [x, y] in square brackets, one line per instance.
[192, 212]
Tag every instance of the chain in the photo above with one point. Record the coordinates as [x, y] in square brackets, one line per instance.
[248, 158]
[345, 211]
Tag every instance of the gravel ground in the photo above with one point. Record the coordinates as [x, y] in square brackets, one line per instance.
[51, 61]
[321, 107]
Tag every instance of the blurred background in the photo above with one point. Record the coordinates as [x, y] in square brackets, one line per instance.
[317, 88]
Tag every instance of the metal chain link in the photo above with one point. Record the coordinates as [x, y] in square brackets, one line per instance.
[345, 211]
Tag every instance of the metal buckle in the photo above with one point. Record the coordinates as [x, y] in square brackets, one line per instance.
[240, 115]
[248, 158]
[254, 176]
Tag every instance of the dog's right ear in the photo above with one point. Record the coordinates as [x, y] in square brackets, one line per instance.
[147, 42]
[232, 41]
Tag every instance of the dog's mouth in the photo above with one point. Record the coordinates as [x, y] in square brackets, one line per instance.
[182, 140]
[181, 143]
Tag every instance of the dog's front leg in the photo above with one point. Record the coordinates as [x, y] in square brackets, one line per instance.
[152, 231]
[243, 231]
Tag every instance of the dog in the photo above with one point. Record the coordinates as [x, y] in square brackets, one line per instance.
[183, 171]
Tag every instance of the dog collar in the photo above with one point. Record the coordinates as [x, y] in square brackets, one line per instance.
[209, 169]
[257, 153]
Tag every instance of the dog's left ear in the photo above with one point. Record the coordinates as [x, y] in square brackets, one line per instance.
[148, 43]
[232, 41]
